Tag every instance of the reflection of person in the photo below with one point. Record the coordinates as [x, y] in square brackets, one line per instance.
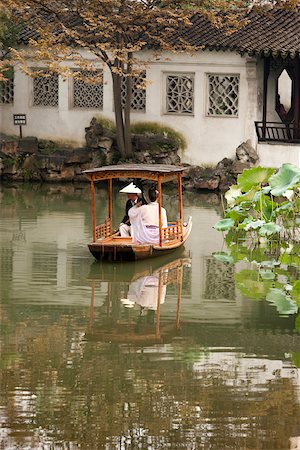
[132, 192]
[144, 292]
[145, 220]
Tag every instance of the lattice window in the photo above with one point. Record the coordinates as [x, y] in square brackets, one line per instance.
[138, 96]
[180, 94]
[45, 90]
[7, 91]
[88, 95]
[223, 95]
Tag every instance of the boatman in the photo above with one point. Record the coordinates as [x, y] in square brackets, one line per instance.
[132, 192]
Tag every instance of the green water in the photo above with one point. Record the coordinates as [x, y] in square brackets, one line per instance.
[161, 354]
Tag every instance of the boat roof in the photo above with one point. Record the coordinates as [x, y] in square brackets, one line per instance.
[147, 171]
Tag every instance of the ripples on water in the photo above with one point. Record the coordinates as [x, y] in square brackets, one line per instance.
[90, 359]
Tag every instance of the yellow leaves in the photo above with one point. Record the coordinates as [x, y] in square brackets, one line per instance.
[111, 30]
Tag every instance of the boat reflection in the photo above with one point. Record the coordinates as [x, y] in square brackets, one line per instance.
[135, 294]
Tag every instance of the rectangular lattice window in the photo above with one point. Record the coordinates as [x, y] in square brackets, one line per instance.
[86, 94]
[7, 90]
[180, 94]
[223, 95]
[45, 89]
[138, 95]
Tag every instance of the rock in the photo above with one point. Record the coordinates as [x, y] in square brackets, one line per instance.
[155, 149]
[153, 143]
[105, 144]
[226, 180]
[98, 138]
[238, 167]
[53, 163]
[28, 145]
[192, 172]
[47, 145]
[67, 173]
[210, 184]
[245, 153]
[223, 166]
[93, 133]
[10, 170]
[197, 177]
[9, 148]
[76, 155]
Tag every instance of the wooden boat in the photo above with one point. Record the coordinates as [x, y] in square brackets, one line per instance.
[109, 245]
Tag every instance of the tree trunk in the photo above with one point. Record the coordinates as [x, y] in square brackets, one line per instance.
[117, 79]
[127, 108]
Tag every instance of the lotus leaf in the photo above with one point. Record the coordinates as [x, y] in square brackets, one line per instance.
[283, 302]
[237, 214]
[289, 193]
[249, 284]
[248, 196]
[254, 177]
[287, 177]
[254, 225]
[290, 259]
[233, 193]
[224, 224]
[267, 274]
[269, 228]
[284, 206]
[223, 257]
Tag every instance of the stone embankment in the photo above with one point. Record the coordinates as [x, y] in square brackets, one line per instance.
[30, 159]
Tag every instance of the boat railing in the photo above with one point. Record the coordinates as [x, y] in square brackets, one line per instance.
[172, 232]
[104, 230]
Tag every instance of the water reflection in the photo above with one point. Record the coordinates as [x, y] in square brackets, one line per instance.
[192, 364]
[133, 310]
[267, 271]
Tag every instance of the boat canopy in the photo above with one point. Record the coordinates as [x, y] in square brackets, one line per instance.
[106, 242]
[152, 172]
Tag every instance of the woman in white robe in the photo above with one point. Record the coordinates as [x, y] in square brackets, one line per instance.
[145, 221]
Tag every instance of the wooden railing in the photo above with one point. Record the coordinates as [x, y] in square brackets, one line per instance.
[172, 232]
[277, 132]
[104, 230]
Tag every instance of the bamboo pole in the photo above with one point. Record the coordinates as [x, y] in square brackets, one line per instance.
[180, 203]
[159, 186]
[93, 210]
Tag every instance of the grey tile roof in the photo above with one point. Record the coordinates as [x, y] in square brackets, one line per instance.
[275, 32]
[272, 32]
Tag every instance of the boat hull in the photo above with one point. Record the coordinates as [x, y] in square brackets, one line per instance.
[120, 250]
[128, 253]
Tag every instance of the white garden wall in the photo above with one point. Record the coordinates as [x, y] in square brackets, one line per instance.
[209, 138]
